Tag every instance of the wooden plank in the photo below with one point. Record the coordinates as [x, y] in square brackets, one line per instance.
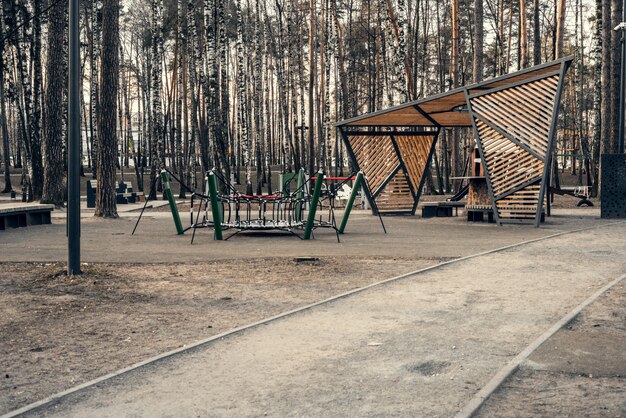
[414, 151]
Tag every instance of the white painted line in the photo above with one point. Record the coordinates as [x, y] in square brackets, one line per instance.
[50, 400]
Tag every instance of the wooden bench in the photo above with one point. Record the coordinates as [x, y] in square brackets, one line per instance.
[24, 214]
[441, 209]
[124, 193]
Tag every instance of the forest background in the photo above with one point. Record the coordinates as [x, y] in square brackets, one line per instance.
[256, 85]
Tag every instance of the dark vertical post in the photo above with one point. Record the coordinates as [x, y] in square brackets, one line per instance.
[73, 149]
[620, 138]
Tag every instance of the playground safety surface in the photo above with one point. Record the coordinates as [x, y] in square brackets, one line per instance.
[424, 344]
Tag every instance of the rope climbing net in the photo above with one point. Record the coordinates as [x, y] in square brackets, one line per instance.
[310, 206]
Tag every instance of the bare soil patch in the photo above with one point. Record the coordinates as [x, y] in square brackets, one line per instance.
[580, 371]
[59, 331]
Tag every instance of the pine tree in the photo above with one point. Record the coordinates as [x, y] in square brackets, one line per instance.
[3, 110]
[53, 184]
[107, 151]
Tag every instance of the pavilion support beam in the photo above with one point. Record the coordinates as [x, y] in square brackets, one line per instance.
[546, 169]
[481, 151]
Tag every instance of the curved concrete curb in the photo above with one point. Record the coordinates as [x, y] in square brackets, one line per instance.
[479, 399]
[51, 400]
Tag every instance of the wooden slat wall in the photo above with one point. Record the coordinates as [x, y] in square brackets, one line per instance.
[414, 151]
[509, 165]
[396, 196]
[525, 114]
[376, 156]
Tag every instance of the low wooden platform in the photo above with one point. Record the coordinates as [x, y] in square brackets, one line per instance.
[475, 213]
[441, 209]
[16, 215]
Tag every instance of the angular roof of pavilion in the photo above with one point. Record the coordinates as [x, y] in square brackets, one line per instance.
[448, 109]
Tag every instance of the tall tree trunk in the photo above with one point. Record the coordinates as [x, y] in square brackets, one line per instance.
[107, 151]
[53, 187]
[560, 28]
[454, 73]
[478, 41]
[597, 99]
[607, 94]
[616, 35]
[3, 111]
[536, 34]
[243, 103]
[157, 137]
[311, 85]
[94, 92]
[30, 126]
[523, 36]
[35, 116]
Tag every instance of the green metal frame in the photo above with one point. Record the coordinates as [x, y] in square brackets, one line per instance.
[350, 203]
[213, 194]
[167, 191]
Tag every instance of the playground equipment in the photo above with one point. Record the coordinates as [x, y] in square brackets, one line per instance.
[305, 209]
[513, 118]
[310, 206]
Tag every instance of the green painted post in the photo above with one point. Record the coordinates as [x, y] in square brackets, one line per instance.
[317, 191]
[217, 219]
[165, 179]
[355, 191]
[299, 195]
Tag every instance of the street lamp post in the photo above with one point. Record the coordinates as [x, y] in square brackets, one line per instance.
[73, 149]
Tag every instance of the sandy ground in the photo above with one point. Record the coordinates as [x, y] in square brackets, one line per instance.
[419, 346]
[153, 292]
[581, 371]
[59, 331]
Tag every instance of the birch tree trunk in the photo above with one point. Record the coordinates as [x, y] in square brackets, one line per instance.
[597, 99]
[243, 105]
[157, 140]
[94, 93]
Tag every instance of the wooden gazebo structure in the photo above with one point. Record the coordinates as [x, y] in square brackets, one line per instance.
[513, 118]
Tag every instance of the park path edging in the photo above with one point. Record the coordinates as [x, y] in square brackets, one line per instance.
[498, 379]
[52, 399]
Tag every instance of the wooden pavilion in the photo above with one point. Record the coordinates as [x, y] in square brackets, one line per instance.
[513, 118]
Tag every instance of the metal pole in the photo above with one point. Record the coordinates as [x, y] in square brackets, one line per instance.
[167, 191]
[299, 195]
[317, 191]
[73, 149]
[355, 191]
[217, 219]
[620, 138]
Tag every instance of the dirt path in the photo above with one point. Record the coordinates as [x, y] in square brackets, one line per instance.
[57, 332]
[418, 346]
